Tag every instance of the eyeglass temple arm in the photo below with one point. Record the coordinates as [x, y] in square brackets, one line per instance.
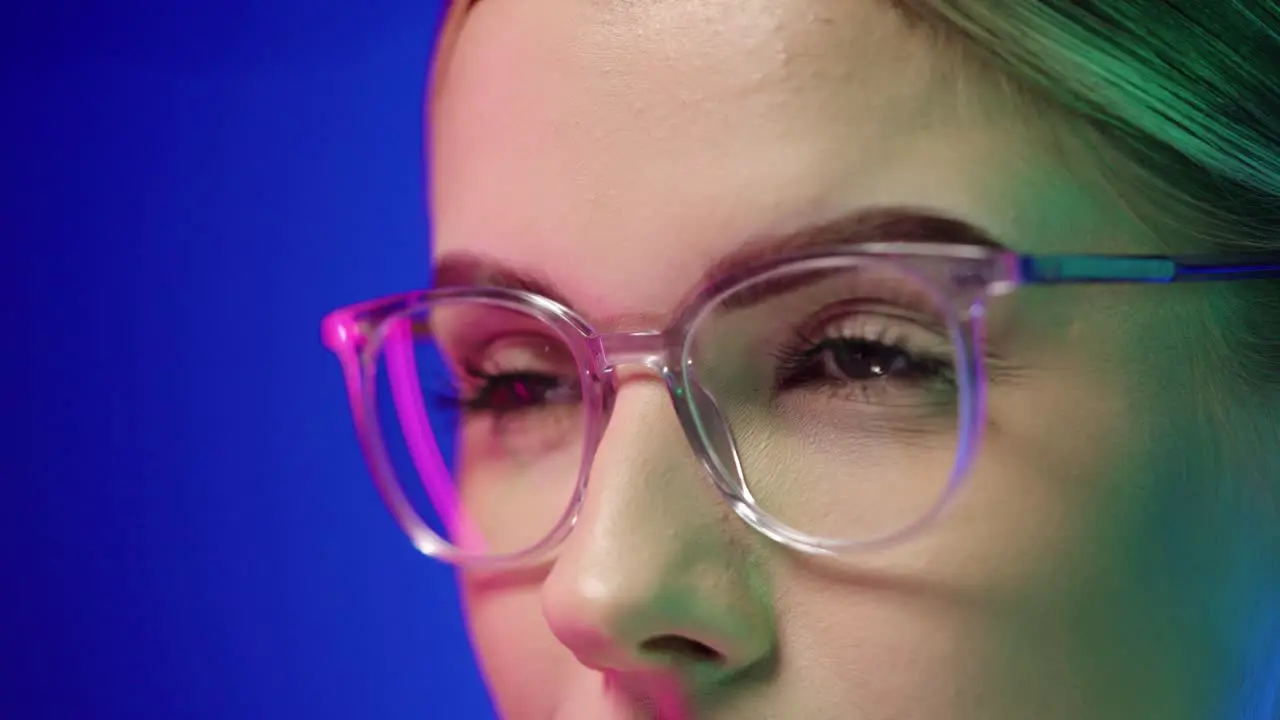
[1055, 269]
[343, 333]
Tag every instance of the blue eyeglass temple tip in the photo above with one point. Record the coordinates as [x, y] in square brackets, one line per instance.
[1054, 269]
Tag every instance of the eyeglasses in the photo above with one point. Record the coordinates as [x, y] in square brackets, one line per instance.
[836, 399]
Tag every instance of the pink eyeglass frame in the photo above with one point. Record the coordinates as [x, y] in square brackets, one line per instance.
[962, 277]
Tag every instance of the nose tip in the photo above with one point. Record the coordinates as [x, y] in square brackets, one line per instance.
[601, 645]
[607, 643]
[616, 629]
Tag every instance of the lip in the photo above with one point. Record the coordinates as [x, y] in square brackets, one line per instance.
[633, 694]
[608, 705]
[651, 696]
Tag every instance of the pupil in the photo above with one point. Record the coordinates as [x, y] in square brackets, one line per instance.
[860, 360]
[511, 394]
[519, 391]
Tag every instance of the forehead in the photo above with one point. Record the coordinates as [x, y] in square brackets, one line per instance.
[620, 147]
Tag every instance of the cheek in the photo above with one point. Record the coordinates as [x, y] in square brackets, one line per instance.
[907, 644]
[1060, 469]
[525, 667]
[873, 639]
[986, 600]
[1065, 459]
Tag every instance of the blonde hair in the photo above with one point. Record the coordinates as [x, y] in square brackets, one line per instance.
[455, 11]
[1189, 90]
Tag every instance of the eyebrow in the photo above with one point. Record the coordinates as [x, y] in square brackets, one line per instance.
[462, 269]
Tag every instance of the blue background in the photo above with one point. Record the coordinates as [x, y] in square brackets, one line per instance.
[188, 528]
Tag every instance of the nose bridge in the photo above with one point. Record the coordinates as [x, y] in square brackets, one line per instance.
[661, 351]
[655, 576]
[655, 349]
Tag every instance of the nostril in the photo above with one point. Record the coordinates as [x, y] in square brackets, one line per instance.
[679, 648]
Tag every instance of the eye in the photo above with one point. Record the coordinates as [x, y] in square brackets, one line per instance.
[869, 357]
[516, 374]
[514, 391]
[861, 360]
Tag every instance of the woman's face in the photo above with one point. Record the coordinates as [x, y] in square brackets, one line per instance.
[619, 150]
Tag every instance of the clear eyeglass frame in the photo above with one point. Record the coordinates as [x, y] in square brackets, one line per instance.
[961, 277]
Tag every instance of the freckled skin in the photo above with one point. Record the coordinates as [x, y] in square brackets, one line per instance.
[619, 148]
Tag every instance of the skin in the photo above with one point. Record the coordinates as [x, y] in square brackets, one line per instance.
[619, 149]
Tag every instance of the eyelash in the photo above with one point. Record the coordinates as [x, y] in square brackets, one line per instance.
[489, 384]
[801, 362]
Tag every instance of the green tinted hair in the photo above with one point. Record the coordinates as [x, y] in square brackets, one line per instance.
[1189, 91]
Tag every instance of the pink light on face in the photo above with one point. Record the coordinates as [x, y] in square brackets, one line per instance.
[670, 703]
[661, 694]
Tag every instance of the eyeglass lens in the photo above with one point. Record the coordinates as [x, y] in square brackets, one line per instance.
[835, 389]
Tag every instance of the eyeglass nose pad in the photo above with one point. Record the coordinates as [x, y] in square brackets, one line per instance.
[724, 460]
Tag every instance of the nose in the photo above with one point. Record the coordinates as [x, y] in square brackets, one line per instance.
[657, 574]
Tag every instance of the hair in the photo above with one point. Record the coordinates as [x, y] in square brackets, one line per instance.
[1189, 92]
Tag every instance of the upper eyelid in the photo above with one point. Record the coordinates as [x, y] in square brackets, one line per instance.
[900, 331]
[883, 324]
